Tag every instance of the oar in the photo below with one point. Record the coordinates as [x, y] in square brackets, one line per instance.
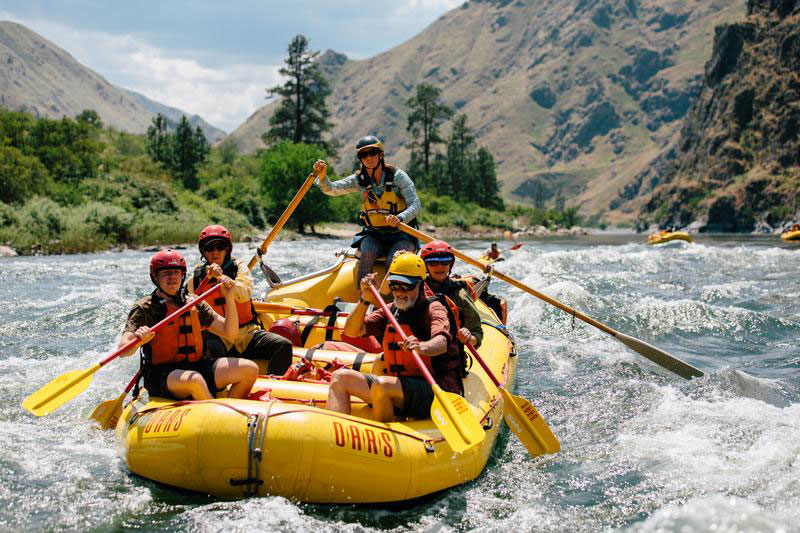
[68, 385]
[656, 355]
[450, 412]
[522, 417]
[281, 221]
[107, 413]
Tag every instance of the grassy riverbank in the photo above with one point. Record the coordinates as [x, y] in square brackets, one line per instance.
[95, 189]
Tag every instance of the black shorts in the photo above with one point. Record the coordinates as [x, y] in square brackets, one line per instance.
[417, 397]
[155, 378]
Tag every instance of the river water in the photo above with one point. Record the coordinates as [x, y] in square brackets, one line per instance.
[642, 450]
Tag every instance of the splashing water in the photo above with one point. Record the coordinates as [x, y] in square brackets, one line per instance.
[642, 449]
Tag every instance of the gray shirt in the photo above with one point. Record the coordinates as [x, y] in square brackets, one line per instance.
[405, 188]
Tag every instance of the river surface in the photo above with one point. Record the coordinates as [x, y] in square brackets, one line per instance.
[642, 449]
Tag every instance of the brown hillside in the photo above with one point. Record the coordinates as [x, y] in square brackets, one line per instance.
[39, 77]
[736, 165]
[576, 97]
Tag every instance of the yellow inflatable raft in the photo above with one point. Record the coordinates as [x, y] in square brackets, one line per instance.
[667, 236]
[283, 442]
[791, 235]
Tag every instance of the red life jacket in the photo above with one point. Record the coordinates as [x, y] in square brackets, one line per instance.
[246, 311]
[446, 369]
[178, 341]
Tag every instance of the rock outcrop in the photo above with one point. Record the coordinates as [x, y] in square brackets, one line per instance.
[736, 165]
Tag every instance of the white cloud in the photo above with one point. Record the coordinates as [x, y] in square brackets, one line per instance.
[223, 96]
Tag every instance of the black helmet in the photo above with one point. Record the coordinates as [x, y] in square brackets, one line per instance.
[368, 141]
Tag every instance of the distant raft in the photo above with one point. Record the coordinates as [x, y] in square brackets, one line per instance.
[791, 235]
[282, 442]
[667, 236]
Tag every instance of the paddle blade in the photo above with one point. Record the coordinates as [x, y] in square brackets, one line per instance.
[527, 424]
[516, 246]
[107, 413]
[660, 357]
[452, 416]
[59, 391]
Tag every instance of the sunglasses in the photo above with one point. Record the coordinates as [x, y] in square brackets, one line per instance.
[372, 152]
[401, 287]
[440, 258]
[215, 247]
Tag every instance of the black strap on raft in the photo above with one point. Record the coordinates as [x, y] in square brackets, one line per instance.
[358, 360]
[330, 310]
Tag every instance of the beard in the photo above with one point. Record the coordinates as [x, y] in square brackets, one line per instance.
[404, 303]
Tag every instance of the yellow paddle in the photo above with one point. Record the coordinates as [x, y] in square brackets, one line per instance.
[262, 248]
[656, 355]
[70, 384]
[107, 413]
[449, 412]
[522, 417]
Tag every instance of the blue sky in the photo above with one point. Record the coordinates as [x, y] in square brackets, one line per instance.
[209, 57]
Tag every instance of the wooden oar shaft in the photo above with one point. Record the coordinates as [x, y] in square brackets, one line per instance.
[511, 281]
[396, 325]
[658, 356]
[282, 220]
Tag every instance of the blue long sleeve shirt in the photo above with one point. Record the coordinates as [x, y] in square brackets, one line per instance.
[405, 187]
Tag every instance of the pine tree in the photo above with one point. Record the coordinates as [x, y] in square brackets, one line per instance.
[461, 182]
[484, 170]
[427, 114]
[302, 115]
[157, 144]
[179, 153]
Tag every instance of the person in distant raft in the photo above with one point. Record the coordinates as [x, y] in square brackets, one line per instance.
[492, 253]
[398, 386]
[252, 342]
[172, 360]
[439, 260]
[389, 198]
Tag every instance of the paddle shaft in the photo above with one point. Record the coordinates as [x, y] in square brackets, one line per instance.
[284, 217]
[161, 324]
[656, 355]
[393, 320]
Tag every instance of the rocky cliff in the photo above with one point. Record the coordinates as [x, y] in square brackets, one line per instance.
[736, 164]
[573, 98]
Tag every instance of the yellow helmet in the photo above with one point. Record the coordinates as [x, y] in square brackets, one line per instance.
[407, 267]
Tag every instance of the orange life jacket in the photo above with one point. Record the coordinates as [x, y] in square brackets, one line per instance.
[446, 369]
[246, 312]
[178, 341]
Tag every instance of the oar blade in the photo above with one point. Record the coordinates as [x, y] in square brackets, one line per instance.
[59, 391]
[107, 413]
[660, 357]
[527, 424]
[452, 416]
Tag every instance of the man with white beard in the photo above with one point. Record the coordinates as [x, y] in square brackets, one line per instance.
[397, 386]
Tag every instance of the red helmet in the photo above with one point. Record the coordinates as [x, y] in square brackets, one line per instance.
[167, 258]
[287, 329]
[214, 231]
[437, 251]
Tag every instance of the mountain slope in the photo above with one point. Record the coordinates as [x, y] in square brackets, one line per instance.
[39, 77]
[736, 165]
[572, 98]
[174, 115]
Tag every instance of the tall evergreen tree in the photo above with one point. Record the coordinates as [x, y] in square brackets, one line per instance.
[157, 144]
[427, 114]
[302, 115]
[486, 177]
[189, 150]
[460, 182]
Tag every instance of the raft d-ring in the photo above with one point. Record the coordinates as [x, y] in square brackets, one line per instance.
[429, 446]
[488, 424]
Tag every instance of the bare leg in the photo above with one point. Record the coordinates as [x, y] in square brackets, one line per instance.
[239, 373]
[346, 382]
[386, 393]
[185, 383]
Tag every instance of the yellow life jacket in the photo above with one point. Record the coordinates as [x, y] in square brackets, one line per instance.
[375, 208]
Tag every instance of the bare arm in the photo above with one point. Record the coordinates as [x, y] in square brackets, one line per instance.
[142, 333]
[354, 325]
[433, 347]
